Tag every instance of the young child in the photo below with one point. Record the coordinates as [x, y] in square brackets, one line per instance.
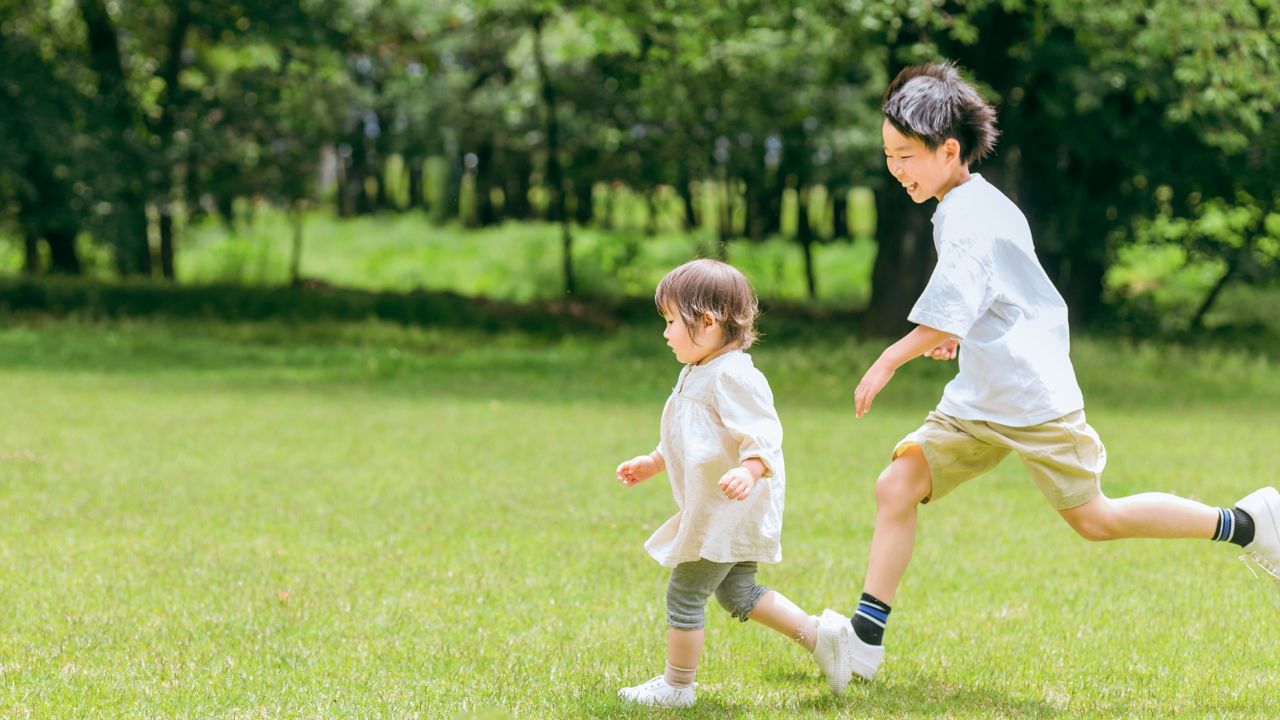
[1016, 390]
[721, 445]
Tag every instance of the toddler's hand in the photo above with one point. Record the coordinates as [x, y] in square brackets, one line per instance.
[637, 470]
[737, 483]
[945, 351]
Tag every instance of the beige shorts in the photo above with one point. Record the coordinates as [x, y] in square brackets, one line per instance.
[1064, 456]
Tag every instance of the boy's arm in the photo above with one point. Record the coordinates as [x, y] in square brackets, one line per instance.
[912, 345]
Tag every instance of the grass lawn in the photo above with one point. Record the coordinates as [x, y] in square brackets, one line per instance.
[244, 521]
[515, 261]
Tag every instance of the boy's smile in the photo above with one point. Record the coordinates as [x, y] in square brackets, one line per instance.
[922, 172]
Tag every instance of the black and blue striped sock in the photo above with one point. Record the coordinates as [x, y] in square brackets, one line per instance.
[869, 620]
[1234, 526]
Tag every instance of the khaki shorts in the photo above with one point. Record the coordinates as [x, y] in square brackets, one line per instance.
[1064, 456]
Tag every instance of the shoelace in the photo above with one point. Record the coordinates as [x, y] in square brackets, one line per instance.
[1257, 560]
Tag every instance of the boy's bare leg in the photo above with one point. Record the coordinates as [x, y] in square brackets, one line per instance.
[1148, 515]
[901, 487]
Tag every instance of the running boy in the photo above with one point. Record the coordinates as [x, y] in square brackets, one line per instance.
[1016, 390]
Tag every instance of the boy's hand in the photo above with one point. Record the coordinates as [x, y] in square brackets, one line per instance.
[877, 376]
[945, 351]
[637, 470]
[737, 483]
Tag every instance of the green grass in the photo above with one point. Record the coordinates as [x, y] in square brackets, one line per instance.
[247, 521]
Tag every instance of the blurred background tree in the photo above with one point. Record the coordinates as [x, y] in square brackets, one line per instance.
[1129, 128]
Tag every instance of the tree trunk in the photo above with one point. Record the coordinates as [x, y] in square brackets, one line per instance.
[417, 186]
[584, 209]
[685, 188]
[166, 241]
[770, 204]
[724, 231]
[516, 193]
[63, 259]
[555, 173]
[295, 257]
[342, 181]
[451, 194]
[361, 170]
[840, 214]
[164, 130]
[904, 260]
[1197, 321]
[804, 236]
[31, 253]
[133, 252]
[486, 214]
[364, 202]
[752, 213]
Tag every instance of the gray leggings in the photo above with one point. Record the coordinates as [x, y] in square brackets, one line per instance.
[734, 585]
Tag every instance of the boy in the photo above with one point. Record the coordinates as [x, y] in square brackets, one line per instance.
[1016, 390]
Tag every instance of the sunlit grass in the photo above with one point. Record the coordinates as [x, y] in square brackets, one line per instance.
[260, 520]
[515, 261]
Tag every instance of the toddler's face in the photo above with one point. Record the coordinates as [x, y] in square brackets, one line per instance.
[923, 173]
[704, 341]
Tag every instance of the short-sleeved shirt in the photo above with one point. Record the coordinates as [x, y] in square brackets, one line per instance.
[989, 290]
[718, 415]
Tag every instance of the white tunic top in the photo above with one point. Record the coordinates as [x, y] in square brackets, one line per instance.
[720, 414]
[990, 291]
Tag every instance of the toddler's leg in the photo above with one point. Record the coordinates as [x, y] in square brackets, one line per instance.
[826, 638]
[687, 592]
[775, 611]
[684, 651]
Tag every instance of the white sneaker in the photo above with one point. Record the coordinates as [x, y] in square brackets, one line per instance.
[866, 657]
[657, 693]
[832, 650]
[1264, 507]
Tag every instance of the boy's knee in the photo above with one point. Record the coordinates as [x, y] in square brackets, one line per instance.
[1093, 530]
[898, 487]
[1093, 525]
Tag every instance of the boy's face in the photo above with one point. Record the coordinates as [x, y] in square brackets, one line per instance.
[705, 338]
[923, 173]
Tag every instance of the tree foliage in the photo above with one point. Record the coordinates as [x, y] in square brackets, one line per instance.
[1121, 121]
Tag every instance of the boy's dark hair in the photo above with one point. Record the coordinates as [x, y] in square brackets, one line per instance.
[932, 103]
[706, 286]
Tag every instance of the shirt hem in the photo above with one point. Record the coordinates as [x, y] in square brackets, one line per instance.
[963, 413]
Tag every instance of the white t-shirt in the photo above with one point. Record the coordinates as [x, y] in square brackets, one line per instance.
[718, 415]
[989, 290]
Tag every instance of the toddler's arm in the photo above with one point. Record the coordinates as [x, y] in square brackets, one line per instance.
[912, 345]
[640, 468]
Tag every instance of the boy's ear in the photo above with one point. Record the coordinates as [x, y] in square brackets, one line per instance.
[708, 319]
[951, 148]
